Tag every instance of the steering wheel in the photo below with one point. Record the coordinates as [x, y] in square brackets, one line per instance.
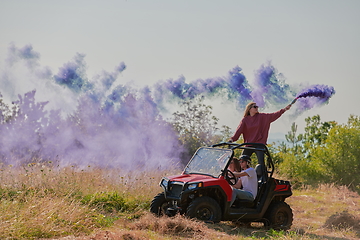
[230, 177]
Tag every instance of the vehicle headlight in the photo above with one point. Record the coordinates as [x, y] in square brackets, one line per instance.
[192, 186]
[164, 183]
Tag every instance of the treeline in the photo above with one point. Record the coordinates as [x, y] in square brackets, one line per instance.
[327, 152]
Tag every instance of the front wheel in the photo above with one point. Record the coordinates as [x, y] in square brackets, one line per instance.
[205, 209]
[279, 216]
[159, 206]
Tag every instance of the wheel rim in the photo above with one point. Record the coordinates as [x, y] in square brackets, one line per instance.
[281, 219]
[204, 214]
[163, 208]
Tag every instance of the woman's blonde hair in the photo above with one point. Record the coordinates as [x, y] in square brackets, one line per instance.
[248, 107]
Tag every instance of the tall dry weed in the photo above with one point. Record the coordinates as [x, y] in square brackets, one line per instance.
[39, 200]
[317, 209]
[44, 216]
[178, 227]
[42, 201]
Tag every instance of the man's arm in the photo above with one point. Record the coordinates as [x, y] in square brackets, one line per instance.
[241, 174]
[238, 184]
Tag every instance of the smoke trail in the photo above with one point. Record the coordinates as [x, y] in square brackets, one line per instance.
[22, 73]
[119, 126]
[123, 137]
[238, 87]
[322, 92]
[18, 139]
[26, 53]
[312, 96]
[269, 87]
[73, 75]
[110, 126]
[233, 86]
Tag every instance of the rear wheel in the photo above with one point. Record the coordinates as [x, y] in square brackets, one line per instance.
[279, 216]
[205, 209]
[159, 206]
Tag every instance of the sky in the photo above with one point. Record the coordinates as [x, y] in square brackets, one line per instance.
[309, 42]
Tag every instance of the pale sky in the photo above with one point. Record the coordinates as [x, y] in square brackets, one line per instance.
[316, 42]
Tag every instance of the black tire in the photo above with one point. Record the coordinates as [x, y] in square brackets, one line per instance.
[205, 209]
[159, 205]
[279, 216]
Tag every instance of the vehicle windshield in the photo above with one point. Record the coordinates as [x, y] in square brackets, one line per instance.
[209, 161]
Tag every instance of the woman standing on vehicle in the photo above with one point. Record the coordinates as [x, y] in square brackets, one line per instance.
[254, 127]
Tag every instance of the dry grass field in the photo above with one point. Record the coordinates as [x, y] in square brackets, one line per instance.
[42, 202]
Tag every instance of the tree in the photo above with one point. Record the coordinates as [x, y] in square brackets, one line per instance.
[316, 131]
[330, 154]
[197, 126]
[292, 138]
[7, 113]
[298, 162]
[341, 153]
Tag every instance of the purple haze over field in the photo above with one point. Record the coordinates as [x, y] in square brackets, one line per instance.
[116, 125]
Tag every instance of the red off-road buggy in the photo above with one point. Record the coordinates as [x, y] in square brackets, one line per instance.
[204, 191]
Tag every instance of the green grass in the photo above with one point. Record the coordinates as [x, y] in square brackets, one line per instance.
[40, 201]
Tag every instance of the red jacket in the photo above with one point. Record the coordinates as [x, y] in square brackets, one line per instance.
[255, 129]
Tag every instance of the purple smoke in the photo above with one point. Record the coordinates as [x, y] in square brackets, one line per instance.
[238, 84]
[124, 136]
[25, 53]
[234, 86]
[117, 125]
[313, 96]
[110, 126]
[183, 90]
[73, 75]
[269, 87]
[320, 91]
[107, 79]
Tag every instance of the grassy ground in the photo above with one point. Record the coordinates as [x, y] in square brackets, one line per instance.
[42, 202]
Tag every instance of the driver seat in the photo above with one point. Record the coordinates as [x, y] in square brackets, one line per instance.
[261, 181]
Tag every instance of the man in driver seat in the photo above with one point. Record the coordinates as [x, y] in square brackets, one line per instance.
[247, 184]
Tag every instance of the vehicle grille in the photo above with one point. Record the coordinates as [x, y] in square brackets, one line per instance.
[175, 190]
